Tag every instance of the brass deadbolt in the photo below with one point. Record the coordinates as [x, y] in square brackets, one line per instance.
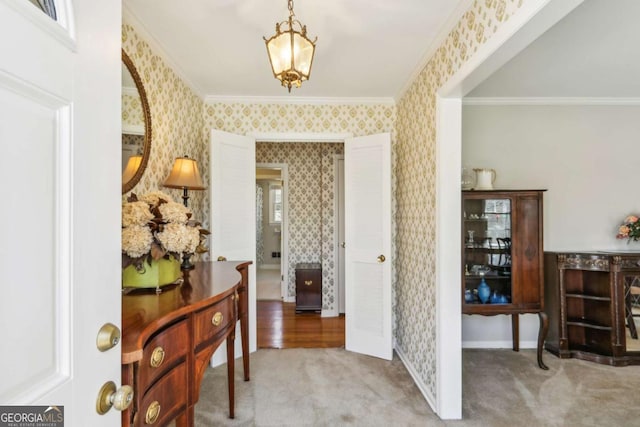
[108, 337]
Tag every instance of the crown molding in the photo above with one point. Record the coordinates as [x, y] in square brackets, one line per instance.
[552, 101]
[299, 136]
[285, 100]
[128, 17]
[462, 7]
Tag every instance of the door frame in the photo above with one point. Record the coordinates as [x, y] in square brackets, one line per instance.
[284, 227]
[336, 227]
[308, 137]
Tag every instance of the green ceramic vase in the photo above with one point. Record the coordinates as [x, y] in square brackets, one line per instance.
[160, 273]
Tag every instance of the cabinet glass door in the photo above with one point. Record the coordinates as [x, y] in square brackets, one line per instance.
[487, 251]
[631, 282]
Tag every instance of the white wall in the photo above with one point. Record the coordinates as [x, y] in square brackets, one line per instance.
[585, 156]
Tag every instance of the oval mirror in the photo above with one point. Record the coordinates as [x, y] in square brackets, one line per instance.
[136, 126]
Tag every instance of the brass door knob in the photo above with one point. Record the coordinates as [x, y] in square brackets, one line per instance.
[381, 259]
[109, 396]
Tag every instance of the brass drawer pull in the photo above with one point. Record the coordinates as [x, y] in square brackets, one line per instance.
[308, 282]
[217, 319]
[157, 357]
[153, 413]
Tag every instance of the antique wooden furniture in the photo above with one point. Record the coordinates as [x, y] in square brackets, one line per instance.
[308, 287]
[502, 247]
[169, 338]
[586, 294]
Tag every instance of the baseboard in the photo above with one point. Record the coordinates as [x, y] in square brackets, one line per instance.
[269, 267]
[498, 344]
[329, 313]
[431, 400]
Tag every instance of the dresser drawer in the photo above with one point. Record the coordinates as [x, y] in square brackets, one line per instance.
[163, 351]
[214, 320]
[165, 400]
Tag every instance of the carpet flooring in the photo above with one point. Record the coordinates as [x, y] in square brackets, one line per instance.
[333, 387]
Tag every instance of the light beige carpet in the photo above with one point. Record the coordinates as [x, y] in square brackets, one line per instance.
[268, 284]
[333, 387]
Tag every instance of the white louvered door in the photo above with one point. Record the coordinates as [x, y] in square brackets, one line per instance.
[367, 165]
[233, 216]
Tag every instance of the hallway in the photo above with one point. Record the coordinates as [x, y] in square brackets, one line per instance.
[280, 327]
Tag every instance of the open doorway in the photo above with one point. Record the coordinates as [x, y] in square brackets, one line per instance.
[271, 231]
[307, 235]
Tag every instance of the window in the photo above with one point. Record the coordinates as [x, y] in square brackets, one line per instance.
[275, 204]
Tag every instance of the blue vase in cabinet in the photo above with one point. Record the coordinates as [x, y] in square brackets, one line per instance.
[484, 291]
[495, 298]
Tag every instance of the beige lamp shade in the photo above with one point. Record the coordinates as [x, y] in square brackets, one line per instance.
[184, 174]
[133, 164]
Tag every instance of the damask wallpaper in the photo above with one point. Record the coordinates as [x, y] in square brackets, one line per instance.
[416, 185]
[132, 111]
[176, 120]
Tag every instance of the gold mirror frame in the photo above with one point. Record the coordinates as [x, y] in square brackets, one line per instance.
[146, 149]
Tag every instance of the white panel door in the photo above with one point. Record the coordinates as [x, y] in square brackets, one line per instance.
[60, 169]
[233, 213]
[367, 173]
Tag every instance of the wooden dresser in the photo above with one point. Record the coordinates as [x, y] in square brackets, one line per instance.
[169, 338]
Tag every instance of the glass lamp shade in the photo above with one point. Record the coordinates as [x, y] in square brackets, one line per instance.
[291, 57]
[184, 174]
[133, 164]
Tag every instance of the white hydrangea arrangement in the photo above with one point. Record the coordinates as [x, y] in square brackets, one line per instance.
[154, 227]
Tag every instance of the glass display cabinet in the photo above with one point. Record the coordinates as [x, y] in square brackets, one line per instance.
[502, 257]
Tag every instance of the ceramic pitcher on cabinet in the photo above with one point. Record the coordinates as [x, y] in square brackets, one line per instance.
[484, 178]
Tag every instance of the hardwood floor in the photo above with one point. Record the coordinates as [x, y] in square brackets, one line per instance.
[280, 327]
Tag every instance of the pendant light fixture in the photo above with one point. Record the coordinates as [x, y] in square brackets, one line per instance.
[291, 51]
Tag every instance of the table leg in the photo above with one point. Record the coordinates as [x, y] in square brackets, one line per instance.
[244, 336]
[186, 418]
[542, 335]
[231, 373]
[515, 331]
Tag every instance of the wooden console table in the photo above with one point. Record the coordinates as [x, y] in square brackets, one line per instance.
[169, 338]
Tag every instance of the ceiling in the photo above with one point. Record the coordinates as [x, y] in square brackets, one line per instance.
[591, 53]
[365, 48]
[375, 48]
